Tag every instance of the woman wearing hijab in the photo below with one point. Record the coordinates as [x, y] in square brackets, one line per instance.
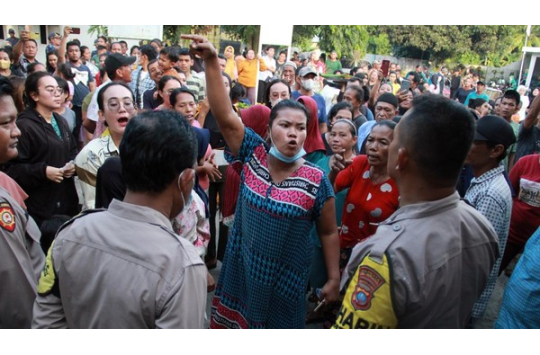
[230, 67]
[314, 145]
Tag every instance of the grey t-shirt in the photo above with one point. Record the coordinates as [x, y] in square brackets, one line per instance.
[81, 82]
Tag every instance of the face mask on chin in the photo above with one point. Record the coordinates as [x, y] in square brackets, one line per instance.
[282, 157]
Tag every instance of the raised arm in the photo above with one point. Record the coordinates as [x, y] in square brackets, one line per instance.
[532, 116]
[229, 124]
[62, 48]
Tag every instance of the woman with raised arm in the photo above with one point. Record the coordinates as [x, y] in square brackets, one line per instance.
[265, 271]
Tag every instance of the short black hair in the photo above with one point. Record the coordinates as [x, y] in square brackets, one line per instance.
[179, 90]
[184, 52]
[475, 103]
[359, 93]
[237, 92]
[438, 134]
[171, 53]
[31, 68]
[8, 52]
[416, 77]
[103, 90]
[221, 56]
[150, 164]
[343, 105]
[83, 48]
[149, 51]
[71, 44]
[512, 95]
[104, 38]
[32, 40]
[6, 88]
[100, 48]
[123, 42]
[284, 104]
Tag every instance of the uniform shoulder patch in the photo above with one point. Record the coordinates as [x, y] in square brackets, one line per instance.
[7, 217]
[369, 281]
[47, 279]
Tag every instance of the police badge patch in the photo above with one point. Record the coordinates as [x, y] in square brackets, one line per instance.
[369, 281]
[7, 217]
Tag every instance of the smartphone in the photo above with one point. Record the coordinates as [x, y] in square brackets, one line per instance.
[405, 85]
[76, 30]
[385, 67]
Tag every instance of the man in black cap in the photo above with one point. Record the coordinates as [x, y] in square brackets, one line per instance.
[489, 191]
[118, 68]
[12, 39]
[480, 93]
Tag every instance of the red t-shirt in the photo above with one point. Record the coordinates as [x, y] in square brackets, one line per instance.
[525, 178]
[365, 204]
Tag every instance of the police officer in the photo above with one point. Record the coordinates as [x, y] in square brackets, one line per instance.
[21, 257]
[430, 261]
[125, 267]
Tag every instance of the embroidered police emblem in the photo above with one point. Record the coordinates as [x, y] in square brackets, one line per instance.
[7, 217]
[369, 281]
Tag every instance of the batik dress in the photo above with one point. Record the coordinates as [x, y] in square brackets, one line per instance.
[265, 271]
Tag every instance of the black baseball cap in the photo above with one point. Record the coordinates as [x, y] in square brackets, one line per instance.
[116, 60]
[496, 130]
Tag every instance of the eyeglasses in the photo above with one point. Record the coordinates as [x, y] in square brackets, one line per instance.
[114, 105]
[54, 90]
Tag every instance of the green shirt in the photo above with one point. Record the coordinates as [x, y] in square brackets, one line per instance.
[332, 66]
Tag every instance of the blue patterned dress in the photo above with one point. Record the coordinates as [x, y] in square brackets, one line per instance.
[266, 268]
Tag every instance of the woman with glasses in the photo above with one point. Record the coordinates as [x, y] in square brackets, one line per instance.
[116, 108]
[44, 167]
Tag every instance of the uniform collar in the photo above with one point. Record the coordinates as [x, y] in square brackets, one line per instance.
[139, 213]
[424, 209]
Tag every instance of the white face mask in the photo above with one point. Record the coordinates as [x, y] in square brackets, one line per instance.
[275, 102]
[308, 84]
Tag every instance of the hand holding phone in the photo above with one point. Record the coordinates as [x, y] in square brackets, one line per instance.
[385, 67]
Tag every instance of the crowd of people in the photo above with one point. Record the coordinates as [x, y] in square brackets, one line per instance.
[372, 197]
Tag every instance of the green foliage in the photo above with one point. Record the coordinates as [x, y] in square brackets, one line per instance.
[248, 34]
[380, 44]
[172, 33]
[98, 30]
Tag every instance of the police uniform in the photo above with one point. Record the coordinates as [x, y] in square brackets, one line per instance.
[21, 260]
[121, 268]
[424, 268]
